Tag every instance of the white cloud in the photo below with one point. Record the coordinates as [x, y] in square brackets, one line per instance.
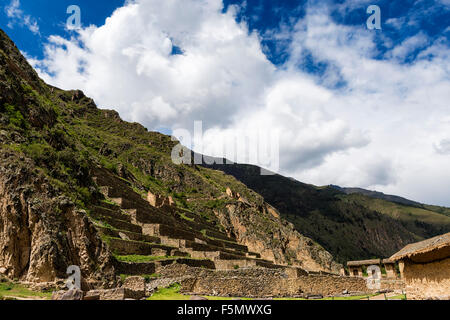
[443, 147]
[381, 130]
[17, 16]
[397, 23]
[402, 107]
[408, 46]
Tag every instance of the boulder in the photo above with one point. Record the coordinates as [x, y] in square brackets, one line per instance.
[92, 296]
[123, 236]
[314, 296]
[74, 294]
[135, 287]
[116, 294]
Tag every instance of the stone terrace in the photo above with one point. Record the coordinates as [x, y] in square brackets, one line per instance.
[144, 238]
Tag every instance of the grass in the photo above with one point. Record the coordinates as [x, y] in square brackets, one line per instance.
[173, 293]
[403, 212]
[289, 299]
[147, 277]
[399, 297]
[140, 259]
[365, 297]
[183, 216]
[225, 298]
[107, 201]
[170, 293]
[9, 289]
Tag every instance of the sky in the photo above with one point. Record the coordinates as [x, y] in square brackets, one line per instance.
[351, 106]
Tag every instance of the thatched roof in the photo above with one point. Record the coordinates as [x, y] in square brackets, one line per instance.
[388, 261]
[363, 263]
[429, 250]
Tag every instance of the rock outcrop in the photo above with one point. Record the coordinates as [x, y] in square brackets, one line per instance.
[259, 227]
[41, 231]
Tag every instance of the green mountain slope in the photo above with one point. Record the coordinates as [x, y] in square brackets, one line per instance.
[350, 226]
[378, 195]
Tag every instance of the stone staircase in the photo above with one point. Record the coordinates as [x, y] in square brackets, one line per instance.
[144, 238]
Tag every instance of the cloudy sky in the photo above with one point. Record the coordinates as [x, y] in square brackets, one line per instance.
[351, 106]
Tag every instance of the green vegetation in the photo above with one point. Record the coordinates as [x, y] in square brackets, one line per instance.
[364, 297]
[361, 297]
[180, 199]
[399, 297]
[289, 299]
[350, 227]
[147, 277]
[171, 293]
[139, 259]
[216, 203]
[9, 289]
[15, 117]
[415, 218]
[441, 210]
[107, 201]
[183, 216]
[225, 298]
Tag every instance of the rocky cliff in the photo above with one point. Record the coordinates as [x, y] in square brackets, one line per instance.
[41, 231]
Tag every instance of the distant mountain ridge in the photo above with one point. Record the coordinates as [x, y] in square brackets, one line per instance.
[350, 223]
[378, 195]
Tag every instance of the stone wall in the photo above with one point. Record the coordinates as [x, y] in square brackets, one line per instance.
[160, 201]
[393, 284]
[328, 285]
[427, 281]
[259, 282]
[355, 271]
[274, 286]
[391, 272]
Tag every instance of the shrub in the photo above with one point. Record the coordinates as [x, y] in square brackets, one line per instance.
[109, 165]
[84, 194]
[58, 138]
[41, 153]
[15, 117]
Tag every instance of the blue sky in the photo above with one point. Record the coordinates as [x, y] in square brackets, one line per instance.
[262, 16]
[51, 17]
[351, 106]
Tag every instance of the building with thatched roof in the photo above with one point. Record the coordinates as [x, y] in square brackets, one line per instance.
[425, 267]
[390, 267]
[356, 267]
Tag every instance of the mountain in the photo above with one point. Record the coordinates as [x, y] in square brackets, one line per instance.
[351, 224]
[378, 195]
[80, 186]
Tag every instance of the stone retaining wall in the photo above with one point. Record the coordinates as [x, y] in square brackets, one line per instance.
[273, 286]
[261, 282]
[393, 284]
[329, 285]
